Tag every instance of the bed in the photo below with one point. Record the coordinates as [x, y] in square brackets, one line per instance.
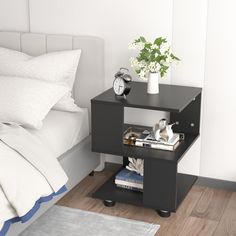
[71, 140]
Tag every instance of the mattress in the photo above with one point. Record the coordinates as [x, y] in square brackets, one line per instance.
[63, 130]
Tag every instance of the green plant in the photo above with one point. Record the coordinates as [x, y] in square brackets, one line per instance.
[154, 57]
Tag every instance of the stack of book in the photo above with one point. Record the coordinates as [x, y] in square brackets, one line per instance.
[136, 136]
[151, 142]
[129, 180]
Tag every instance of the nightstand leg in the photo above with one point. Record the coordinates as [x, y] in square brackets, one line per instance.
[109, 203]
[163, 213]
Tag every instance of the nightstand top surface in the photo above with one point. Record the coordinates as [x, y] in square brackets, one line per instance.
[172, 98]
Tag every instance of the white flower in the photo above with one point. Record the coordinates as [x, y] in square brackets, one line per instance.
[142, 64]
[164, 48]
[134, 62]
[152, 66]
[168, 59]
[132, 46]
[142, 74]
[140, 45]
[154, 46]
[158, 67]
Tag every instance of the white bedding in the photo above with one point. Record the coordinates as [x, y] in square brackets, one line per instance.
[58, 67]
[60, 132]
[27, 101]
[28, 172]
[63, 130]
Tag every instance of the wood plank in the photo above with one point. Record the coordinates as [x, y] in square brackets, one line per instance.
[173, 225]
[199, 213]
[227, 225]
[198, 227]
[132, 212]
[212, 204]
[169, 226]
[85, 188]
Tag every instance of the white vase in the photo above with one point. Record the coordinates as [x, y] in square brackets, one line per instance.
[153, 83]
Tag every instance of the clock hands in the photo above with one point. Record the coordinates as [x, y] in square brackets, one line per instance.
[119, 88]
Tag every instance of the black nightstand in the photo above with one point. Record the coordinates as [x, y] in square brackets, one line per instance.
[164, 189]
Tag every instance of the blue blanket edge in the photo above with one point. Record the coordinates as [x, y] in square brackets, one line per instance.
[30, 214]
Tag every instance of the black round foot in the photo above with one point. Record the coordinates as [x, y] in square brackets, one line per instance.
[109, 203]
[91, 174]
[163, 213]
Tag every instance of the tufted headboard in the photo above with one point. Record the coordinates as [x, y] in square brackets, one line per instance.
[90, 74]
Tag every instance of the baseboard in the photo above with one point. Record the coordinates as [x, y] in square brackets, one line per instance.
[216, 183]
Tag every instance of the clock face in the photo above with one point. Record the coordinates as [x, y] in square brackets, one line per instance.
[119, 86]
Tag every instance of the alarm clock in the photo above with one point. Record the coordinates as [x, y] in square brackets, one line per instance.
[121, 84]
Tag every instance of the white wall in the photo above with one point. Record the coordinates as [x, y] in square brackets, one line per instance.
[218, 158]
[14, 15]
[189, 41]
[118, 22]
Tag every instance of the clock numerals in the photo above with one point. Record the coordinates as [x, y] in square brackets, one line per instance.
[119, 86]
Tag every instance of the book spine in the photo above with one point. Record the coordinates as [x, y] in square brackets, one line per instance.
[128, 187]
[163, 147]
[126, 183]
[172, 142]
[157, 146]
[129, 179]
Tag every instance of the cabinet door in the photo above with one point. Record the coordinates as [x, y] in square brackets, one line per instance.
[107, 128]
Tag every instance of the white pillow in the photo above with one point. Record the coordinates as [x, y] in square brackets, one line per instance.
[27, 101]
[58, 67]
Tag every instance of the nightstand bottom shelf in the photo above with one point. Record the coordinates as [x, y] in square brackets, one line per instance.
[109, 191]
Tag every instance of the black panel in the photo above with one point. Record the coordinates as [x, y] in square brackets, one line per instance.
[160, 184]
[107, 132]
[125, 161]
[184, 184]
[189, 118]
[171, 98]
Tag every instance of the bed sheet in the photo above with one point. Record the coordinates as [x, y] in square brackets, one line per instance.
[63, 130]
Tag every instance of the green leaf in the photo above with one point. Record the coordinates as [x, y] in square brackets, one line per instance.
[158, 41]
[142, 39]
[148, 45]
[174, 57]
[162, 73]
[164, 40]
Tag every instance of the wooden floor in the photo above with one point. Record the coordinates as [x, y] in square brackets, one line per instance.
[204, 212]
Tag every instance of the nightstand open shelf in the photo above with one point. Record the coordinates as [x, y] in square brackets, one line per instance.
[164, 188]
[109, 191]
[141, 152]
